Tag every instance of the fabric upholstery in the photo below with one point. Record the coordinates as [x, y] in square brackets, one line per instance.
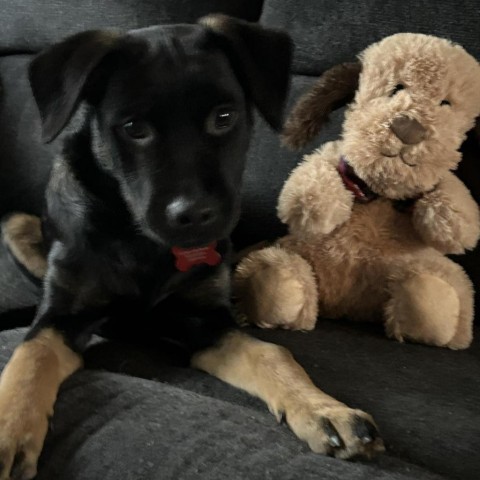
[29, 25]
[327, 32]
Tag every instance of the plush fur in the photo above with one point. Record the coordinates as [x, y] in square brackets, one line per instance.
[417, 97]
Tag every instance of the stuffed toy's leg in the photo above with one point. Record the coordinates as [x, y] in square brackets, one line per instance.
[276, 288]
[431, 302]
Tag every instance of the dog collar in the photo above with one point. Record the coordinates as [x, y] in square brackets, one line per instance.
[186, 258]
[362, 191]
[354, 183]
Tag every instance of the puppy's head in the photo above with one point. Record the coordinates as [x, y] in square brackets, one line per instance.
[169, 114]
[418, 96]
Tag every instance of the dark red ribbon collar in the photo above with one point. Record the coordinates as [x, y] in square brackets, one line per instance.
[354, 183]
[363, 193]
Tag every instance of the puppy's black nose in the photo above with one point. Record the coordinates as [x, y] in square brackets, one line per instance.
[182, 213]
[408, 130]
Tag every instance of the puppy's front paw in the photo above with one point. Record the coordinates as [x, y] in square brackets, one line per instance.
[22, 432]
[335, 430]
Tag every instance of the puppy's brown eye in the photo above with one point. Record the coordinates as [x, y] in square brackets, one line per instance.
[397, 88]
[137, 129]
[445, 102]
[221, 120]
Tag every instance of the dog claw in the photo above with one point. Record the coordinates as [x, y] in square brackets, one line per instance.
[337, 431]
[364, 430]
[281, 418]
[334, 439]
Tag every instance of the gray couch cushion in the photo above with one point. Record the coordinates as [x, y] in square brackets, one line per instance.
[20, 141]
[327, 32]
[29, 25]
[188, 425]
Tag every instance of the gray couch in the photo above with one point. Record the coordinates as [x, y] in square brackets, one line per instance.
[138, 413]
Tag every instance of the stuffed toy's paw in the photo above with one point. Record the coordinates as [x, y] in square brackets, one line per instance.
[276, 288]
[448, 218]
[314, 200]
[427, 309]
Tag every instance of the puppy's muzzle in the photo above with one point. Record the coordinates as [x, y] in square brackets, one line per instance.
[183, 213]
[408, 130]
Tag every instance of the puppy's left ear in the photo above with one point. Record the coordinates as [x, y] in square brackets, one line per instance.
[59, 74]
[261, 58]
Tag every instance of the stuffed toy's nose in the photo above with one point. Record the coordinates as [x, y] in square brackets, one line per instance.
[408, 130]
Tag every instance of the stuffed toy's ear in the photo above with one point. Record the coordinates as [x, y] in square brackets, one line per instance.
[334, 89]
[261, 59]
[59, 74]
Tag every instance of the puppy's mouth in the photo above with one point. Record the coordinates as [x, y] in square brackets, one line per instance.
[194, 242]
[201, 237]
[187, 238]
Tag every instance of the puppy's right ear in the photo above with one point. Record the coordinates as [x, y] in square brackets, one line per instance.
[261, 58]
[59, 74]
[334, 89]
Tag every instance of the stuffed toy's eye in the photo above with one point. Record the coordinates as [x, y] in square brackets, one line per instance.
[138, 129]
[221, 120]
[445, 102]
[397, 88]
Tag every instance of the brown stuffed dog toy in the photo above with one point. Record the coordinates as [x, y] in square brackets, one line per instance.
[371, 216]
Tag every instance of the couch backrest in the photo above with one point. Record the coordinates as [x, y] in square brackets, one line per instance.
[327, 32]
[30, 25]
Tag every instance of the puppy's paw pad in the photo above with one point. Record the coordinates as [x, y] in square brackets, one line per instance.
[20, 446]
[337, 431]
[24, 465]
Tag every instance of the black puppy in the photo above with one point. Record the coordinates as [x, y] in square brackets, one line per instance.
[154, 129]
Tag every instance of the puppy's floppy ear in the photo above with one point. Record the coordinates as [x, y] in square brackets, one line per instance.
[261, 58]
[334, 89]
[59, 74]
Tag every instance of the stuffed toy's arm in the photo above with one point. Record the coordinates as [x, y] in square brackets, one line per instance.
[314, 200]
[448, 218]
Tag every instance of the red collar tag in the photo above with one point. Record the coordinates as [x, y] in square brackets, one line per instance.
[186, 258]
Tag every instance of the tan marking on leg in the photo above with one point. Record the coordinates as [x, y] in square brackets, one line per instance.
[22, 234]
[28, 389]
[269, 371]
